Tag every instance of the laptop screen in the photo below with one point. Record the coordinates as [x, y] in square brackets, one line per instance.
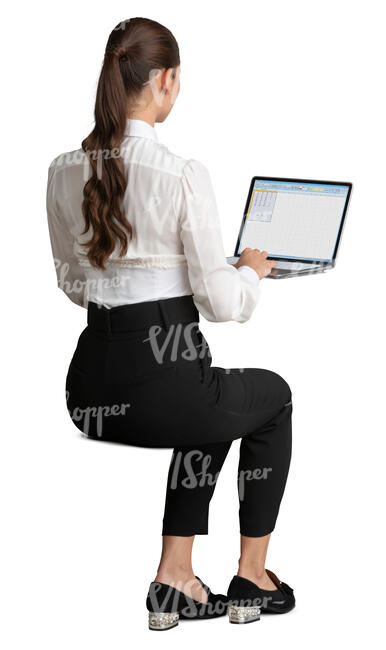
[294, 219]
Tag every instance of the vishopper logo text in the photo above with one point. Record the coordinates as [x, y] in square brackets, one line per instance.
[175, 334]
[84, 288]
[257, 474]
[160, 598]
[193, 477]
[95, 414]
[199, 476]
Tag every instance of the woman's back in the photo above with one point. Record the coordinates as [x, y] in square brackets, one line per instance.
[152, 203]
[175, 248]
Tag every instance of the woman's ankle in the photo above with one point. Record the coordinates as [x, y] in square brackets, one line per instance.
[258, 575]
[174, 573]
[183, 579]
[251, 571]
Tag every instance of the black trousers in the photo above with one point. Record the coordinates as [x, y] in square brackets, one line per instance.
[141, 375]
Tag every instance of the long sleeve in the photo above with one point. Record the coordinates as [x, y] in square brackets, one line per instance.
[220, 291]
[70, 275]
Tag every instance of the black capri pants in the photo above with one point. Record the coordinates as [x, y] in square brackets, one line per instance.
[141, 375]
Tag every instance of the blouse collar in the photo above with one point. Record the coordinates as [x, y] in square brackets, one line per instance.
[141, 129]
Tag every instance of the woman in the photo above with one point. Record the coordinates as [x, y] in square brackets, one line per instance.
[136, 240]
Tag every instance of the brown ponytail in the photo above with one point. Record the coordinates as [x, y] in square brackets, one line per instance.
[134, 49]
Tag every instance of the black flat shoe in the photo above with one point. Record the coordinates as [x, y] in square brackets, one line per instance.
[167, 605]
[247, 600]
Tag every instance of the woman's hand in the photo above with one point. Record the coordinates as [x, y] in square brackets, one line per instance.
[257, 260]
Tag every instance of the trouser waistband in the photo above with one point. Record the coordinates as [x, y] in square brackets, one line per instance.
[142, 315]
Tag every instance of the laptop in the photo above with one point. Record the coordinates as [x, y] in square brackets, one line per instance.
[298, 222]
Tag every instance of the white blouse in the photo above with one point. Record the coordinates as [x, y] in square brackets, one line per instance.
[176, 248]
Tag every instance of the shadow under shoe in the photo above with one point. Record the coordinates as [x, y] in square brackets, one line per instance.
[167, 605]
[247, 601]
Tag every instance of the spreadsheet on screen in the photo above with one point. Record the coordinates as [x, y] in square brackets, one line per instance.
[294, 219]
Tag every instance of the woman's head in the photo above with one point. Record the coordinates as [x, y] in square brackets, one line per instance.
[144, 56]
[140, 75]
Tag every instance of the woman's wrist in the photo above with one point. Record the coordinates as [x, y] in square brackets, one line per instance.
[249, 272]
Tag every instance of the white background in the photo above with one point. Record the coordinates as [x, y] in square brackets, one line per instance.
[273, 88]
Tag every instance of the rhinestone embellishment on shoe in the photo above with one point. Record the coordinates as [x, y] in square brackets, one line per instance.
[163, 620]
[243, 614]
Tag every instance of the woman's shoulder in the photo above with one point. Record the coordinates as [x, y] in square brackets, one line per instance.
[181, 165]
[196, 177]
[68, 159]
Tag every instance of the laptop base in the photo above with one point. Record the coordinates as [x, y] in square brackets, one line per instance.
[294, 269]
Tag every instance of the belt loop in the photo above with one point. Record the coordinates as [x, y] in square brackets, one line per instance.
[164, 315]
[108, 320]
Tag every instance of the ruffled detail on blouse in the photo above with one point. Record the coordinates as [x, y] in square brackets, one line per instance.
[148, 262]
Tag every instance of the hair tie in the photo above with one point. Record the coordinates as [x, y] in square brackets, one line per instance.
[115, 51]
